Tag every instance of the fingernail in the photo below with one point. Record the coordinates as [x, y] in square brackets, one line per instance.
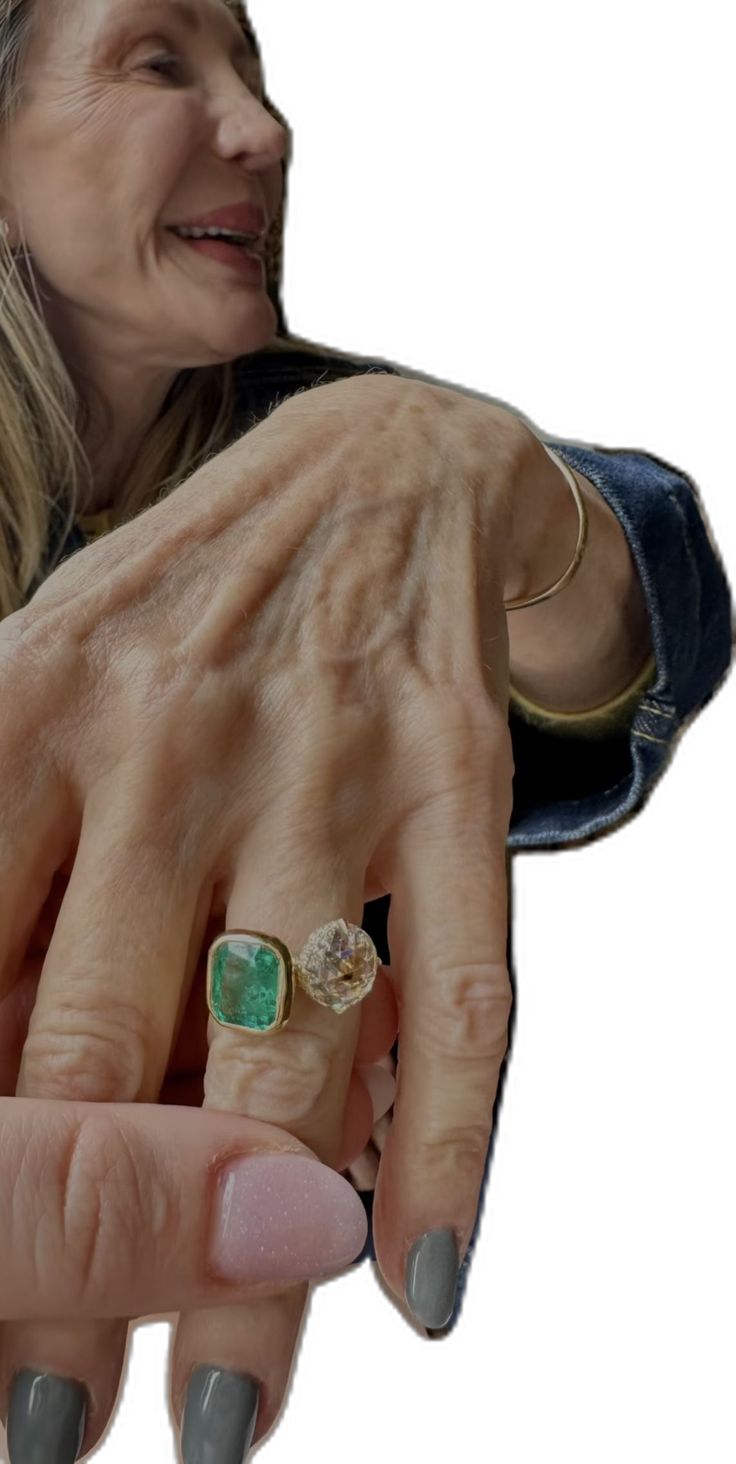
[381, 1085]
[219, 1416]
[46, 1418]
[431, 1277]
[283, 1217]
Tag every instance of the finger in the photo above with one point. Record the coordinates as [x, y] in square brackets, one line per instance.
[109, 1000]
[449, 961]
[372, 1153]
[377, 1034]
[299, 1075]
[364, 1170]
[381, 1085]
[99, 1033]
[191, 1048]
[381, 1131]
[370, 1094]
[379, 1019]
[113, 1211]
[37, 814]
[15, 1014]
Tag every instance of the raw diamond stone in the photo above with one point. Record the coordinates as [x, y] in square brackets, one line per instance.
[248, 979]
[338, 965]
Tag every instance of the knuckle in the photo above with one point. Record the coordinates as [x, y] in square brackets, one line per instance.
[460, 1151]
[465, 742]
[469, 720]
[382, 385]
[90, 1057]
[108, 1198]
[16, 637]
[283, 1087]
[466, 1013]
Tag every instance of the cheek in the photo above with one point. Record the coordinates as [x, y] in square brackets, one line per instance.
[167, 127]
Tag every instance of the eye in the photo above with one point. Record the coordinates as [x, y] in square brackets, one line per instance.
[165, 61]
[175, 63]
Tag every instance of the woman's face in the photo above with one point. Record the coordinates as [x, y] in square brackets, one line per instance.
[107, 149]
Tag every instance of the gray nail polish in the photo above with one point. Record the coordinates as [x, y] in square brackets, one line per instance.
[219, 1417]
[47, 1416]
[431, 1277]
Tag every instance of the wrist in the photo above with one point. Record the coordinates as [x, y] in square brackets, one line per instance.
[585, 644]
[543, 527]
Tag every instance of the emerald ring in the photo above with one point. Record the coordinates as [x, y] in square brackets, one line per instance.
[251, 976]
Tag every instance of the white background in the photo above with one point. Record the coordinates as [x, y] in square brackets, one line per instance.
[536, 201]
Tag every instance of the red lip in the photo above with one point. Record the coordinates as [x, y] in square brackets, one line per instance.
[245, 218]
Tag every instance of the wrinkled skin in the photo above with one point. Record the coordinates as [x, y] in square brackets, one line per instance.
[184, 1081]
[278, 694]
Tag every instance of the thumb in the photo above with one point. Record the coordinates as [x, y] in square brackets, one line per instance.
[126, 1210]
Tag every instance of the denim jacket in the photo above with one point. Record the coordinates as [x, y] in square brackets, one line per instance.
[580, 785]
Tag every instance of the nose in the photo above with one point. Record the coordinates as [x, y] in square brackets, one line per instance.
[256, 131]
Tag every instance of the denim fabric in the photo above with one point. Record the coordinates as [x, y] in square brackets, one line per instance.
[690, 609]
[568, 790]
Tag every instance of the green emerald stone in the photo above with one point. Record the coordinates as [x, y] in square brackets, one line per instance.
[248, 984]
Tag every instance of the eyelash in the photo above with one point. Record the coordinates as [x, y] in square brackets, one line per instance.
[163, 61]
[169, 61]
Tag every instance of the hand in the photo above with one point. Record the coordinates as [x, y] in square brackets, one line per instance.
[115, 1211]
[185, 1073]
[284, 686]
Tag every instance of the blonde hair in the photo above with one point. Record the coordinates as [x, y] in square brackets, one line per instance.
[43, 417]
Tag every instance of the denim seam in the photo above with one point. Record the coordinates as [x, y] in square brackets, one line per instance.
[674, 500]
[637, 783]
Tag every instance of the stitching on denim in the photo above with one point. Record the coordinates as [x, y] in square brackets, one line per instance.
[647, 737]
[657, 711]
[620, 790]
[596, 826]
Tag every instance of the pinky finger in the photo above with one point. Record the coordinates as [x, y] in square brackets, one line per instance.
[364, 1171]
[380, 1132]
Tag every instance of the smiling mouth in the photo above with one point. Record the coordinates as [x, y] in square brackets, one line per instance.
[249, 262]
[248, 249]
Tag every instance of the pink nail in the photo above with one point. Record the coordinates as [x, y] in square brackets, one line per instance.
[283, 1217]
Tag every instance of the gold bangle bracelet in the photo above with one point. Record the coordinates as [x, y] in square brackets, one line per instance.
[580, 548]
